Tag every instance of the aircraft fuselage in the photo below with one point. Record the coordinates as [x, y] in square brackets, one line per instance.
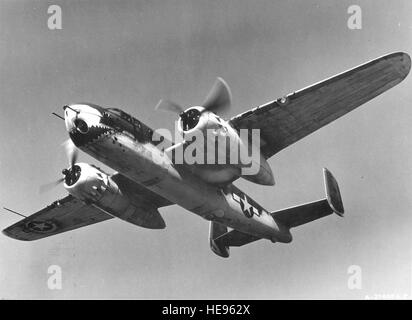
[126, 145]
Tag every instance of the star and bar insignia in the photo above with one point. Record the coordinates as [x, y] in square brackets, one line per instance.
[41, 226]
[248, 209]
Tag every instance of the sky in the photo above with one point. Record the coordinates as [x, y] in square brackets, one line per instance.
[130, 54]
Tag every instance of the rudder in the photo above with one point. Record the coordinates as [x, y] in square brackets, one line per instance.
[333, 193]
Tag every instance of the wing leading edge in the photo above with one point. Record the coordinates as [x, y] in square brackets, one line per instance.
[284, 121]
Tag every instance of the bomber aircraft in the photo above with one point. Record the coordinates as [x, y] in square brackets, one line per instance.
[148, 177]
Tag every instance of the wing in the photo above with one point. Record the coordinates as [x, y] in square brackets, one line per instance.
[285, 121]
[139, 192]
[71, 213]
[61, 216]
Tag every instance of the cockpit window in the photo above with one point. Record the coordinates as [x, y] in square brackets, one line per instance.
[115, 111]
[122, 121]
[121, 114]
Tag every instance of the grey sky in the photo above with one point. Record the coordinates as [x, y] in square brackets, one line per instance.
[129, 54]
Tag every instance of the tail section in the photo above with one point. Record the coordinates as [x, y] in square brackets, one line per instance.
[221, 240]
[298, 215]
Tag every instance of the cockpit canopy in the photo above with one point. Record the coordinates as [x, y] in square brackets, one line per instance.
[122, 121]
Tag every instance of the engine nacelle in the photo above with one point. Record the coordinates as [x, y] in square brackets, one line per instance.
[222, 149]
[95, 187]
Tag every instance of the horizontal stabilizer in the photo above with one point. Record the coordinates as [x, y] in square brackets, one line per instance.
[298, 215]
[236, 238]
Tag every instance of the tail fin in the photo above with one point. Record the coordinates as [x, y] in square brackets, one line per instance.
[217, 230]
[221, 240]
[296, 216]
[333, 193]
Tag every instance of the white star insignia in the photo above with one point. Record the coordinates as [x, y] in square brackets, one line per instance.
[246, 206]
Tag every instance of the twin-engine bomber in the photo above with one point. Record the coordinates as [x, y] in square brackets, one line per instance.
[148, 177]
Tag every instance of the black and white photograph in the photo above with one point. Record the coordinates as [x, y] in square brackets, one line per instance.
[225, 150]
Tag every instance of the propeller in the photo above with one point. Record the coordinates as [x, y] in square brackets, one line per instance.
[49, 186]
[71, 152]
[218, 100]
[68, 174]
[219, 97]
[168, 105]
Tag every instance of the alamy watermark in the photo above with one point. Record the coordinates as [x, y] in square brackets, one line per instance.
[54, 21]
[355, 19]
[54, 281]
[213, 146]
[355, 277]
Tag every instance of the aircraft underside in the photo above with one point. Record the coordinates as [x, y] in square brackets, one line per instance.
[148, 176]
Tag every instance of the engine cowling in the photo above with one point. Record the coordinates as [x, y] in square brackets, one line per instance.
[93, 186]
[219, 163]
[197, 119]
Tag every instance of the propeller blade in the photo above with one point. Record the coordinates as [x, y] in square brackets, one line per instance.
[219, 98]
[71, 151]
[168, 105]
[48, 186]
[74, 155]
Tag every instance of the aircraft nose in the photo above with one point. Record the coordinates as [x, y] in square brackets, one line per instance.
[81, 117]
[70, 116]
[74, 121]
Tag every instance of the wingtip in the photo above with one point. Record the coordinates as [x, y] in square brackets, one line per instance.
[402, 62]
[4, 232]
[405, 64]
[8, 234]
[11, 232]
